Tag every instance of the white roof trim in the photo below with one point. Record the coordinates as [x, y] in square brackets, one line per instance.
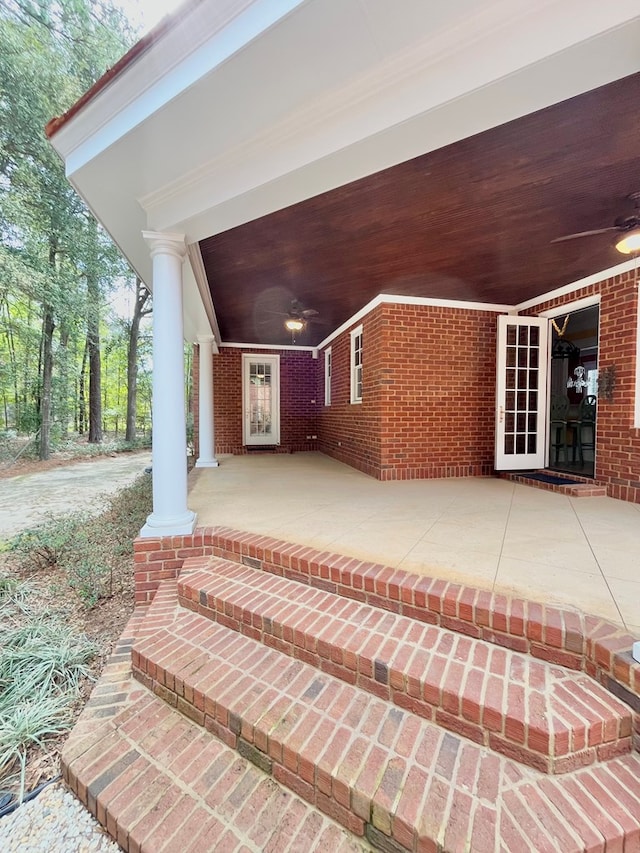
[220, 32]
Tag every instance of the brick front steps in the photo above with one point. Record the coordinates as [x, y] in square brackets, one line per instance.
[161, 784]
[362, 729]
[543, 715]
[402, 781]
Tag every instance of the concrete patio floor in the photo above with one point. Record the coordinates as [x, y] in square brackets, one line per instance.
[490, 533]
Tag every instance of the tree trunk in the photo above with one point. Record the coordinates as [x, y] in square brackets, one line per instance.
[142, 296]
[82, 395]
[13, 367]
[48, 326]
[93, 347]
[62, 409]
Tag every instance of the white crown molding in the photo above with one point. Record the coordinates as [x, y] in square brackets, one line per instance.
[627, 266]
[274, 347]
[578, 305]
[389, 299]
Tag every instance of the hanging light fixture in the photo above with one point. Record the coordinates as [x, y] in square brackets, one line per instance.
[630, 242]
[294, 324]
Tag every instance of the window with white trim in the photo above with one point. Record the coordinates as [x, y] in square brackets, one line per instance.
[327, 377]
[356, 365]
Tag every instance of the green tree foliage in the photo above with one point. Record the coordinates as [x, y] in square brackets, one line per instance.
[57, 266]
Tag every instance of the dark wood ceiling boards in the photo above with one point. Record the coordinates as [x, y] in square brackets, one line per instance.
[472, 221]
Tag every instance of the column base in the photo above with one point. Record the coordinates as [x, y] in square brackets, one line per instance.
[207, 463]
[172, 525]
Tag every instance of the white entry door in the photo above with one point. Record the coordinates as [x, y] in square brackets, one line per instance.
[521, 396]
[261, 399]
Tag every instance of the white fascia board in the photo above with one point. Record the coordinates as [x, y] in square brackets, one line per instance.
[214, 33]
[422, 101]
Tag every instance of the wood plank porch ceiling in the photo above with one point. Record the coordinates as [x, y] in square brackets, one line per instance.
[473, 220]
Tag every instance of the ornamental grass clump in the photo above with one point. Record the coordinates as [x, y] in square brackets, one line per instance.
[42, 664]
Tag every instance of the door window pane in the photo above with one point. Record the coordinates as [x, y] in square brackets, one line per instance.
[260, 399]
[521, 379]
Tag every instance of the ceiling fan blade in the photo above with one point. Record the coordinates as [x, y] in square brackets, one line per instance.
[308, 312]
[585, 234]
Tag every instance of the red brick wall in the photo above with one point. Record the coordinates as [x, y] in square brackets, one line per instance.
[298, 399]
[617, 441]
[428, 394]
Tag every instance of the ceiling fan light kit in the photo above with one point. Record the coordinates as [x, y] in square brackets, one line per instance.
[630, 242]
[294, 324]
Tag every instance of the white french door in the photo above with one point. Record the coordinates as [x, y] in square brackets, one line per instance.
[521, 393]
[261, 399]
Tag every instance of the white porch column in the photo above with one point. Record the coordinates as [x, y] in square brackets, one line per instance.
[170, 513]
[206, 430]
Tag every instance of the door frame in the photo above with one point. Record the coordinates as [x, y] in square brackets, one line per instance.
[510, 413]
[560, 311]
[274, 437]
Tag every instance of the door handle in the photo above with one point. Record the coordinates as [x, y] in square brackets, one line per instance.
[501, 414]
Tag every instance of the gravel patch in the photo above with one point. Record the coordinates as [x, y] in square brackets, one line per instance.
[54, 822]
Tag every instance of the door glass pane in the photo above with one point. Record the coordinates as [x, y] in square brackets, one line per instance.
[260, 399]
[522, 380]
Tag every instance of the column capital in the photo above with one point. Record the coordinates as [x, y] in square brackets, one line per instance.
[166, 243]
[204, 340]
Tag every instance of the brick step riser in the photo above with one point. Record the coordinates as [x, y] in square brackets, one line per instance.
[425, 691]
[585, 488]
